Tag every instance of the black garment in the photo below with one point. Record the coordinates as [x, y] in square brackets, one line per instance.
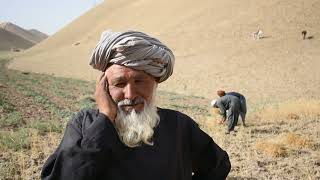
[91, 149]
[229, 106]
[238, 95]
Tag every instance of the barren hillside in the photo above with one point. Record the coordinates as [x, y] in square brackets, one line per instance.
[31, 36]
[10, 40]
[39, 35]
[15, 37]
[212, 43]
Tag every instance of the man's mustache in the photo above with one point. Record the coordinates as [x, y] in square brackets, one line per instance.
[129, 102]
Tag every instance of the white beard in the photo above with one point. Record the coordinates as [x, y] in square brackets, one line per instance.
[135, 128]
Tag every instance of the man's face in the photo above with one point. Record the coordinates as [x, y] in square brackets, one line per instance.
[127, 83]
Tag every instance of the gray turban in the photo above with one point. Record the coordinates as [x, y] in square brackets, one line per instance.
[135, 50]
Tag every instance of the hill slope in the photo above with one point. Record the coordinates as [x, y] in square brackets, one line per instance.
[31, 36]
[15, 37]
[38, 35]
[212, 43]
[10, 40]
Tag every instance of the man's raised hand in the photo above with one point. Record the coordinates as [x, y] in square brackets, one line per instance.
[105, 103]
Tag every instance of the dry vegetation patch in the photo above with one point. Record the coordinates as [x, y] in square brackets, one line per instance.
[290, 110]
[293, 125]
[281, 145]
[296, 140]
[272, 148]
[26, 162]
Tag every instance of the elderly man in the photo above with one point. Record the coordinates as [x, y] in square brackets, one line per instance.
[229, 106]
[128, 137]
[243, 103]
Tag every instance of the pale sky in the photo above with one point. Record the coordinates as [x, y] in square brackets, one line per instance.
[47, 16]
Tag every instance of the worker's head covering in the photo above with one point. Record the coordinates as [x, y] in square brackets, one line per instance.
[221, 93]
[213, 102]
[135, 50]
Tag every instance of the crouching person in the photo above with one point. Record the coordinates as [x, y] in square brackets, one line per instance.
[229, 106]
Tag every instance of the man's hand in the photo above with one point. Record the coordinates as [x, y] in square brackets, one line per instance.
[105, 103]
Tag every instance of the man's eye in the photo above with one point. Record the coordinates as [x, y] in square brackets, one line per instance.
[120, 84]
[139, 81]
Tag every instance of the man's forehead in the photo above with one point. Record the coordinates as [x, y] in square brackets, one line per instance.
[117, 71]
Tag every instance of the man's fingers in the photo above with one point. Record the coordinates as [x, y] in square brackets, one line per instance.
[105, 103]
[100, 77]
[102, 83]
[104, 78]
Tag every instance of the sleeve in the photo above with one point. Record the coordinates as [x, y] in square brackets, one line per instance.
[223, 110]
[82, 152]
[209, 160]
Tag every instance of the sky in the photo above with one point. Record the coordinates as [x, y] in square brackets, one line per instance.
[47, 16]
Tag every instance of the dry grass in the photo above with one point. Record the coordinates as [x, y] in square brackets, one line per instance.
[279, 146]
[291, 115]
[290, 110]
[215, 111]
[27, 163]
[273, 149]
[296, 140]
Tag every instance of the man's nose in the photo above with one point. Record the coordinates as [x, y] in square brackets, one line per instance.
[130, 92]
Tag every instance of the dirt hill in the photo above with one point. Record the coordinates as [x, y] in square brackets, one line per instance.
[31, 35]
[11, 41]
[39, 35]
[212, 43]
[15, 37]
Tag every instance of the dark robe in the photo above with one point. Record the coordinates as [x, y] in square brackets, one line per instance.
[91, 149]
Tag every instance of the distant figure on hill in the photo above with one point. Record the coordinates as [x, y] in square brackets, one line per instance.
[128, 136]
[257, 35]
[243, 103]
[304, 34]
[229, 106]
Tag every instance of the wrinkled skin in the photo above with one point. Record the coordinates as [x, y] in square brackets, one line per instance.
[118, 83]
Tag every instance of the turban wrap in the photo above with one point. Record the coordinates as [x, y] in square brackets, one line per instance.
[135, 50]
